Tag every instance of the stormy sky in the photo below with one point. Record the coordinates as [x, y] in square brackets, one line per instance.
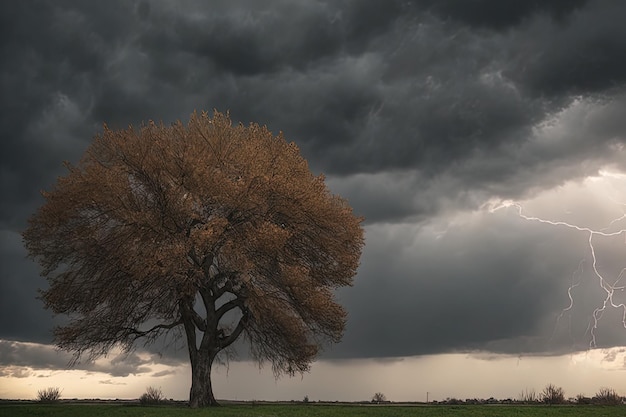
[426, 115]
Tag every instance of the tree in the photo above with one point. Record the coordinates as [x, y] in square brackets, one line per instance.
[205, 232]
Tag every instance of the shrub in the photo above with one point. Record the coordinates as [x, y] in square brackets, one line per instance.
[552, 394]
[607, 396]
[152, 396]
[379, 397]
[581, 399]
[49, 395]
[453, 401]
[528, 396]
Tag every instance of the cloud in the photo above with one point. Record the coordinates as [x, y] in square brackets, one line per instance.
[419, 113]
[32, 354]
[578, 56]
[19, 358]
[163, 373]
[122, 365]
[15, 372]
[110, 382]
[23, 317]
[487, 281]
[496, 15]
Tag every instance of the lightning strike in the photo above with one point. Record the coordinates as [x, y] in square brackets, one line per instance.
[579, 271]
[609, 288]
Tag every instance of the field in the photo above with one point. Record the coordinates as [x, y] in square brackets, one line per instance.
[311, 410]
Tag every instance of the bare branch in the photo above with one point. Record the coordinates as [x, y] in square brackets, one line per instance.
[168, 326]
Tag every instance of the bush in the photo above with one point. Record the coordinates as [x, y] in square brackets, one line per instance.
[152, 396]
[49, 395]
[552, 394]
[528, 396]
[379, 397]
[607, 396]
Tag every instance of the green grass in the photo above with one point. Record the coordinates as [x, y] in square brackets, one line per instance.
[312, 410]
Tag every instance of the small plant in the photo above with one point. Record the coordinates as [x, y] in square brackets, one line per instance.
[152, 396]
[379, 397]
[607, 396]
[582, 399]
[552, 394]
[49, 395]
[528, 396]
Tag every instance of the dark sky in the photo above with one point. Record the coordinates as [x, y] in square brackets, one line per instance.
[420, 113]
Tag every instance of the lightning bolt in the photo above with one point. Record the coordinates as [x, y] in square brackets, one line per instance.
[609, 288]
[578, 272]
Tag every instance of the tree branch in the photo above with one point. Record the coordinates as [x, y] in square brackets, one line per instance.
[225, 341]
[194, 258]
[168, 326]
[224, 282]
[198, 321]
[226, 307]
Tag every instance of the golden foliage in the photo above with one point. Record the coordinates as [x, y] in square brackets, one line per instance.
[154, 218]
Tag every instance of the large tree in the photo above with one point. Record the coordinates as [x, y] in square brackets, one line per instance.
[206, 231]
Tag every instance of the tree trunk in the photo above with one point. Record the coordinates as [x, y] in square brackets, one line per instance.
[201, 393]
[201, 358]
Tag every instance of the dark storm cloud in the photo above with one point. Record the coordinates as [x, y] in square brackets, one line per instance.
[31, 354]
[374, 87]
[496, 14]
[265, 37]
[581, 55]
[414, 110]
[483, 283]
[23, 317]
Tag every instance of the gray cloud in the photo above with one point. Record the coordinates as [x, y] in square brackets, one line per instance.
[23, 317]
[110, 382]
[496, 15]
[32, 354]
[484, 282]
[15, 372]
[579, 56]
[418, 112]
[163, 373]
[16, 358]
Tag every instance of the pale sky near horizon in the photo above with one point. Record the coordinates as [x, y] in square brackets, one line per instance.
[410, 379]
[472, 135]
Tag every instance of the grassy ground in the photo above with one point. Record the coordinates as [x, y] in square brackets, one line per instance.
[297, 410]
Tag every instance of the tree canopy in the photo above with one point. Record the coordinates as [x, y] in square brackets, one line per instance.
[205, 231]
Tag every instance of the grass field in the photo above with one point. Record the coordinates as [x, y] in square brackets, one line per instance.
[298, 410]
